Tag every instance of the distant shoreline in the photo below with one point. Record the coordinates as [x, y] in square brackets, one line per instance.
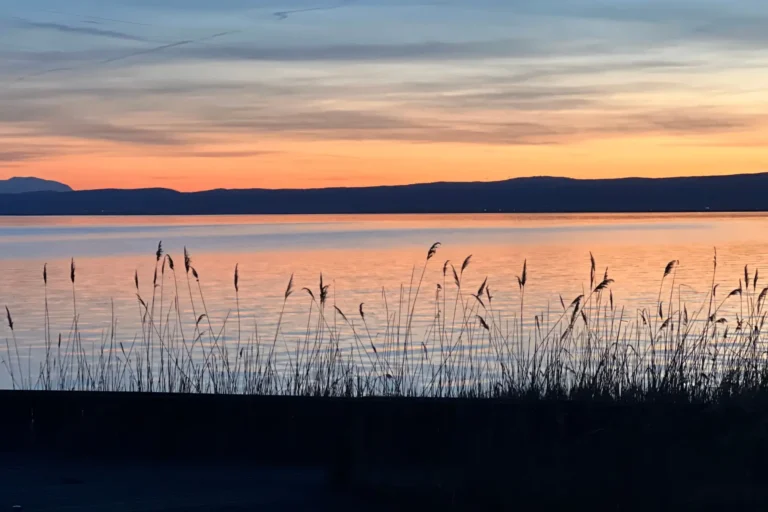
[372, 214]
[720, 194]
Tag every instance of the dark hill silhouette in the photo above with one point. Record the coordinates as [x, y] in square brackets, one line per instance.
[744, 192]
[25, 185]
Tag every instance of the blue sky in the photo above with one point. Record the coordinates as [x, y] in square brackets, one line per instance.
[90, 87]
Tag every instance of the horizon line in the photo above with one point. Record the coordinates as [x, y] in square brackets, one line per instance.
[413, 184]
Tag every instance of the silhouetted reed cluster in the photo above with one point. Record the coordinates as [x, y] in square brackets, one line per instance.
[590, 347]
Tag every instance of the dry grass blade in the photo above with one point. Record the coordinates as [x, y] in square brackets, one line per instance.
[483, 323]
[136, 279]
[237, 277]
[482, 287]
[762, 295]
[574, 314]
[664, 324]
[488, 293]
[170, 262]
[72, 271]
[10, 319]
[289, 288]
[576, 302]
[339, 311]
[562, 302]
[360, 309]
[433, 250]
[45, 273]
[195, 274]
[456, 277]
[593, 265]
[445, 267]
[159, 253]
[199, 319]
[603, 285]
[737, 291]
[746, 275]
[754, 282]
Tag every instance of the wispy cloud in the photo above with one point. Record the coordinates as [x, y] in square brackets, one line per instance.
[179, 76]
[225, 154]
[16, 156]
[78, 30]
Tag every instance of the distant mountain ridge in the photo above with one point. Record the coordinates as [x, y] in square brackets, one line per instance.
[741, 192]
[23, 185]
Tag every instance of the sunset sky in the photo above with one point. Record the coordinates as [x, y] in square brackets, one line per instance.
[200, 94]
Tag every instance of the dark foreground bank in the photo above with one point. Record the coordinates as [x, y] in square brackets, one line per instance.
[408, 453]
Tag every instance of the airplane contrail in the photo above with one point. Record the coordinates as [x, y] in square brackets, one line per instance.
[131, 55]
[281, 15]
[169, 45]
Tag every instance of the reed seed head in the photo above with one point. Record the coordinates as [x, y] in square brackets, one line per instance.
[187, 260]
[433, 250]
[466, 263]
[289, 288]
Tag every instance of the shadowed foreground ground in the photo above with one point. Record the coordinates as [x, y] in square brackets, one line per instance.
[50, 484]
[155, 452]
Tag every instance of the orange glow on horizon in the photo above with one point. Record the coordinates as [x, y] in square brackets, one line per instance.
[286, 163]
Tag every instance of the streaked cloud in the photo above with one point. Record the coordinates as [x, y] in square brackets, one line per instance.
[78, 30]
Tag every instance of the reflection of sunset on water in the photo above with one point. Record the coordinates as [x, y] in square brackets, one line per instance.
[359, 257]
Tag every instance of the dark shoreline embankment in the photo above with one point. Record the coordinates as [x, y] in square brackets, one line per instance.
[498, 453]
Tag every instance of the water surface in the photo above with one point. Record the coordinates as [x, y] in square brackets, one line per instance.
[359, 256]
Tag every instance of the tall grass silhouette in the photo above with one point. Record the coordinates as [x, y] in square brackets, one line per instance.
[591, 347]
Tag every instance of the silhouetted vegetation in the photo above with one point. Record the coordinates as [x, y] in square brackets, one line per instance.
[591, 347]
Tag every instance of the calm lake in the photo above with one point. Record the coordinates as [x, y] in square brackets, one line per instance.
[359, 256]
